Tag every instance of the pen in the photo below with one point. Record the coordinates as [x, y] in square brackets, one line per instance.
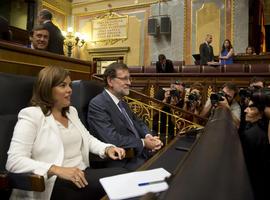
[150, 183]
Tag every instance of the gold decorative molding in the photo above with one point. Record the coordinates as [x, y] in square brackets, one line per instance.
[146, 112]
[109, 50]
[232, 20]
[52, 7]
[61, 12]
[120, 8]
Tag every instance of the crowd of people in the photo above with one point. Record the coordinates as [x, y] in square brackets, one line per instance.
[250, 110]
[114, 128]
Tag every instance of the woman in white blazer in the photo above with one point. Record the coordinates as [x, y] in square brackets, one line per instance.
[50, 140]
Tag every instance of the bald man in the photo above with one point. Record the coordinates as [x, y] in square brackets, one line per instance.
[206, 51]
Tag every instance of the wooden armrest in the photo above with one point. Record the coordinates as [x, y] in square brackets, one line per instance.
[3, 181]
[130, 153]
[23, 181]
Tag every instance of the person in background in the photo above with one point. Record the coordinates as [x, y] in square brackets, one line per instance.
[206, 51]
[39, 38]
[255, 143]
[112, 121]
[56, 40]
[50, 140]
[5, 33]
[173, 96]
[164, 65]
[194, 101]
[226, 54]
[255, 84]
[250, 50]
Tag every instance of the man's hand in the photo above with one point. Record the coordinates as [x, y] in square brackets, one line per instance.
[152, 142]
[115, 153]
[224, 103]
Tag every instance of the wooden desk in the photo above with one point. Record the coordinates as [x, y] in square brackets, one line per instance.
[251, 59]
[213, 168]
[21, 60]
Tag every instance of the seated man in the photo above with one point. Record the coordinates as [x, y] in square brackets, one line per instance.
[39, 38]
[225, 98]
[164, 65]
[111, 119]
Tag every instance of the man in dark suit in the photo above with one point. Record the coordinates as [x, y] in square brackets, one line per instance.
[164, 65]
[5, 33]
[206, 51]
[111, 120]
[56, 40]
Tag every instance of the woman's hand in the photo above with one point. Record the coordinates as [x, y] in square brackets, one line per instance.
[115, 152]
[72, 174]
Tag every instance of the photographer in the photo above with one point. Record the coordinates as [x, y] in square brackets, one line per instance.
[226, 99]
[255, 84]
[193, 101]
[255, 143]
[172, 96]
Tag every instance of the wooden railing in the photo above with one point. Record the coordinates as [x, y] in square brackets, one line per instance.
[21, 60]
[207, 166]
[150, 110]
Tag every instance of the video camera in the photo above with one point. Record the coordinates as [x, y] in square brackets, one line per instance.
[217, 97]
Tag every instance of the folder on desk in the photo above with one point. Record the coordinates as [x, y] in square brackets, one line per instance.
[135, 184]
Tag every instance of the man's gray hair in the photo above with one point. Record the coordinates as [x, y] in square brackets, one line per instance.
[45, 14]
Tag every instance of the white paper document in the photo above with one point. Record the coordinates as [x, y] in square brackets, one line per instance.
[135, 183]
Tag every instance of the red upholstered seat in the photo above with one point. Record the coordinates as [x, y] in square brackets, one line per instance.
[235, 68]
[150, 69]
[259, 68]
[191, 69]
[212, 69]
[135, 69]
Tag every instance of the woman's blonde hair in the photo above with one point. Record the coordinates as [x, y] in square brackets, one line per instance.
[48, 78]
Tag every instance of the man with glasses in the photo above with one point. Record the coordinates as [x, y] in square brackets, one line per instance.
[228, 100]
[111, 120]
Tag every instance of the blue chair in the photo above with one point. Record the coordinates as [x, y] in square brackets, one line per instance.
[16, 92]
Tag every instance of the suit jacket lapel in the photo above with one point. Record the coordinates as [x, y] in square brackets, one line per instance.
[116, 110]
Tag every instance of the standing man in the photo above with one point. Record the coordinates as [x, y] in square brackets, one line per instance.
[56, 41]
[111, 119]
[164, 65]
[206, 51]
[39, 38]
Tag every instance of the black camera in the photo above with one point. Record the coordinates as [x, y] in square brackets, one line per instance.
[217, 97]
[192, 97]
[247, 93]
[174, 93]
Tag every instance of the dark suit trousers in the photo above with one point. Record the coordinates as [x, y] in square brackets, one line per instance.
[67, 190]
